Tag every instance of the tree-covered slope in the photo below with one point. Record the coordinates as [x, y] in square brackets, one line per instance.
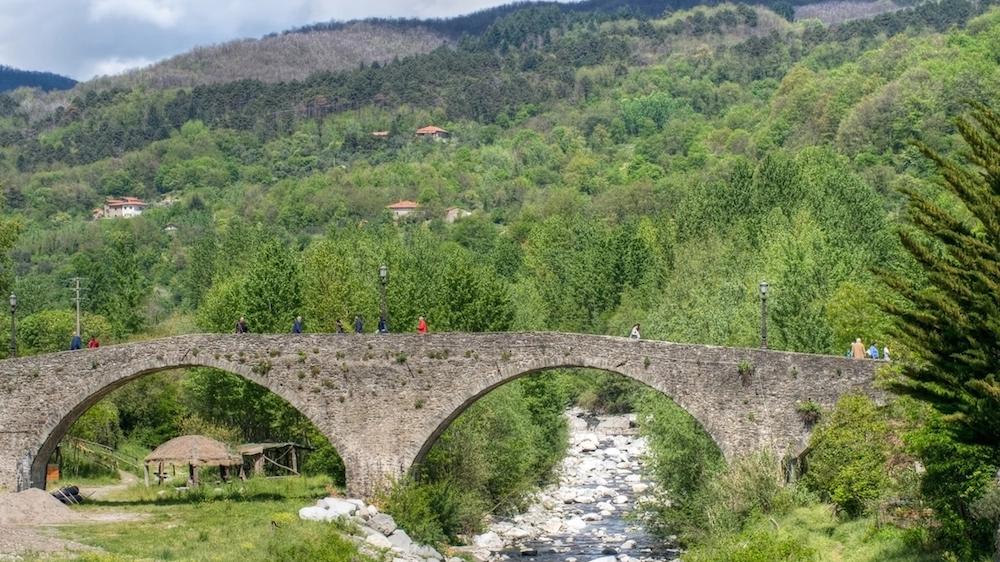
[12, 78]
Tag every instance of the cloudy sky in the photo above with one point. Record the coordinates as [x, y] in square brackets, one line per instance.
[86, 38]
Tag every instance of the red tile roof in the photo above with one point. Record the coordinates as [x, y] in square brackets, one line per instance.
[404, 205]
[430, 130]
[124, 201]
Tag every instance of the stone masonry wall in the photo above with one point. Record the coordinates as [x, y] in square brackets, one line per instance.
[382, 399]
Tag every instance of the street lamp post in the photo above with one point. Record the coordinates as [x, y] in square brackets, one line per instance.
[383, 273]
[763, 314]
[13, 309]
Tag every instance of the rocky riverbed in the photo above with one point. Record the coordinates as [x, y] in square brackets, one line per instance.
[582, 518]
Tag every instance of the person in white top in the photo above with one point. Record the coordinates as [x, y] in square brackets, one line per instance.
[635, 332]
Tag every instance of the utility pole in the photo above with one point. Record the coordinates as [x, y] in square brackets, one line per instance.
[76, 290]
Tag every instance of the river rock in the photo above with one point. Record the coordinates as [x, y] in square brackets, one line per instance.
[338, 505]
[551, 526]
[383, 523]
[627, 545]
[605, 559]
[639, 487]
[379, 540]
[400, 540]
[424, 551]
[619, 500]
[489, 540]
[575, 524]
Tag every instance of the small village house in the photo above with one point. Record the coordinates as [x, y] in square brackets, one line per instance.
[432, 132]
[402, 208]
[451, 214]
[126, 208]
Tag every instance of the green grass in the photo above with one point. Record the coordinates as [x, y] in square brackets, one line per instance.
[252, 521]
[815, 529]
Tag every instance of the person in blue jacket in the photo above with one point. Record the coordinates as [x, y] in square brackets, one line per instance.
[297, 326]
[77, 343]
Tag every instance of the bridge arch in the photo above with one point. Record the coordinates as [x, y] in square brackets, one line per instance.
[66, 412]
[506, 375]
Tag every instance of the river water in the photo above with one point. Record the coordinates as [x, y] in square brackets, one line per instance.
[582, 519]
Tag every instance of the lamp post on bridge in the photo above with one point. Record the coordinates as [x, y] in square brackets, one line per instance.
[383, 273]
[13, 310]
[763, 314]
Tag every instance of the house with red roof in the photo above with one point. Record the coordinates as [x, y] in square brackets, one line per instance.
[430, 131]
[402, 208]
[125, 207]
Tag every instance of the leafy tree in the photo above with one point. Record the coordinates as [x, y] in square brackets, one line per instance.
[52, 330]
[950, 318]
[847, 464]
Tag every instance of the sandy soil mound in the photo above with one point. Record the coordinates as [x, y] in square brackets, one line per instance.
[33, 507]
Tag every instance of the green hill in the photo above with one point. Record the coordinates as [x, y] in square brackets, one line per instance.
[616, 169]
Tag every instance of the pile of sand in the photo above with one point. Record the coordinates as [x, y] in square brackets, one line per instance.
[33, 507]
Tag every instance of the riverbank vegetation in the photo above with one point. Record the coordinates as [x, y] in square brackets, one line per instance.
[618, 169]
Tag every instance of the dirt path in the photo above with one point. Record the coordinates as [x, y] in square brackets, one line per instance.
[101, 492]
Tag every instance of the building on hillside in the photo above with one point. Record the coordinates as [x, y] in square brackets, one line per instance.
[126, 208]
[451, 214]
[432, 132]
[170, 228]
[96, 214]
[402, 208]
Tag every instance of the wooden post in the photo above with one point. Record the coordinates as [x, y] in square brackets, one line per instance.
[145, 474]
[295, 460]
[159, 474]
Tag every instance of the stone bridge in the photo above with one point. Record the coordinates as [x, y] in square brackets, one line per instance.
[382, 400]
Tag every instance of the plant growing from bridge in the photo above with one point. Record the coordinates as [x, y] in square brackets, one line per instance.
[745, 370]
[809, 411]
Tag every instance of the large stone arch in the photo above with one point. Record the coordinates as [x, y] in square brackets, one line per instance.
[484, 386]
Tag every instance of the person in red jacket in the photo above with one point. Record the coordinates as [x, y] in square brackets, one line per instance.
[422, 326]
[93, 342]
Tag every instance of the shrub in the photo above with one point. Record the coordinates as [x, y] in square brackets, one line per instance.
[847, 465]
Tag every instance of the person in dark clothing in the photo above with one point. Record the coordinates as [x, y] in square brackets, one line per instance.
[93, 342]
[340, 326]
[383, 328]
[241, 326]
[297, 326]
[76, 343]
[359, 325]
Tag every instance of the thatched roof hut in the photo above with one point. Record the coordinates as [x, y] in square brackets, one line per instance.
[194, 451]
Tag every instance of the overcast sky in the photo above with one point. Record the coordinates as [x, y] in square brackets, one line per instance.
[86, 38]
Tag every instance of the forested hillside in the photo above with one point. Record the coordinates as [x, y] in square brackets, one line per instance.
[12, 78]
[619, 169]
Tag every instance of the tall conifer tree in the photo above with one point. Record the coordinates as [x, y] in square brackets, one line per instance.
[950, 319]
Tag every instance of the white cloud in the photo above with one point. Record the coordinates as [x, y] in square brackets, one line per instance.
[115, 65]
[162, 13]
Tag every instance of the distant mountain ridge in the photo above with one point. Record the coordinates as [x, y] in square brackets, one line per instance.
[12, 78]
[280, 58]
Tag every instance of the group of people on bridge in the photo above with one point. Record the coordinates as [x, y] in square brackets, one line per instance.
[858, 351]
[77, 342]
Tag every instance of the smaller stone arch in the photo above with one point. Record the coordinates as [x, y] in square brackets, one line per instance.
[68, 411]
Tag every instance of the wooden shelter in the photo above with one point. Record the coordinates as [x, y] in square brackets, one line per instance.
[194, 451]
[275, 454]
